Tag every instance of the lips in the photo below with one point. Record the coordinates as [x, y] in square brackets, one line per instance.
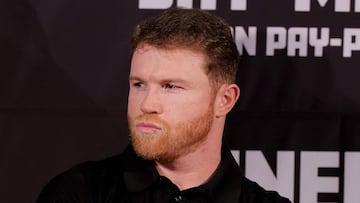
[145, 127]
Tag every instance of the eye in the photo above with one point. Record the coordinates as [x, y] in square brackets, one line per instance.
[170, 86]
[138, 84]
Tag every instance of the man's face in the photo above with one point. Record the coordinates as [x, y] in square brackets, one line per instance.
[170, 104]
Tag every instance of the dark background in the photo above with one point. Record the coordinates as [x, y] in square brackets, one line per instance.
[63, 87]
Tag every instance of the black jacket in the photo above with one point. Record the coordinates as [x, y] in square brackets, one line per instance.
[128, 178]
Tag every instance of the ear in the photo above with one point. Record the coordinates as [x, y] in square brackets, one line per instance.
[226, 98]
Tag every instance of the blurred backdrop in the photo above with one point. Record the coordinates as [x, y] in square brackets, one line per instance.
[64, 80]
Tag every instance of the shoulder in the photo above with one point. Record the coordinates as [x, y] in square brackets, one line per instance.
[251, 192]
[83, 182]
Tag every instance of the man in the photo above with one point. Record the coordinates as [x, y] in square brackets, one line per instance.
[181, 78]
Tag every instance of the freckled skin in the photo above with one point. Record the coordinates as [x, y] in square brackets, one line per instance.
[170, 102]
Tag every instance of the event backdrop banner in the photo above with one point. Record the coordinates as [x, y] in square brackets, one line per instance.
[64, 68]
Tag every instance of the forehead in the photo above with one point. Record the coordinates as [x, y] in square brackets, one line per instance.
[181, 62]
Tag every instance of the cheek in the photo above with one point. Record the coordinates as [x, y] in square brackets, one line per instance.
[133, 104]
[190, 109]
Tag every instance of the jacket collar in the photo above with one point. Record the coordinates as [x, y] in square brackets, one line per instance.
[140, 174]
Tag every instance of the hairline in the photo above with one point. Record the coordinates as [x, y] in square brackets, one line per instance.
[216, 81]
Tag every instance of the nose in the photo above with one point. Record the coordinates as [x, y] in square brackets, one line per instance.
[151, 103]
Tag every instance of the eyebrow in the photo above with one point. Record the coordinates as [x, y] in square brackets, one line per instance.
[168, 80]
[131, 77]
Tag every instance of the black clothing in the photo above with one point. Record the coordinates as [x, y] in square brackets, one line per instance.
[128, 178]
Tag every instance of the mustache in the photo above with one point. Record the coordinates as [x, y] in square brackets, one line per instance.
[149, 118]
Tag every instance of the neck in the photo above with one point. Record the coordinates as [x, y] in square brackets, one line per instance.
[195, 168]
